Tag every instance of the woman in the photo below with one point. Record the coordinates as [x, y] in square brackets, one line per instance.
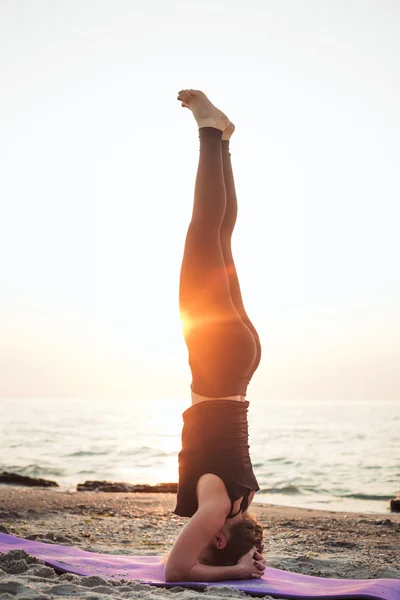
[216, 480]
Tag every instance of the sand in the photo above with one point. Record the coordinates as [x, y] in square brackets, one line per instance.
[322, 543]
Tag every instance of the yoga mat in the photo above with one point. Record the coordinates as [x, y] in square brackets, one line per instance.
[149, 570]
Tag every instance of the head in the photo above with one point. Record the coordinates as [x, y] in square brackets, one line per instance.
[233, 541]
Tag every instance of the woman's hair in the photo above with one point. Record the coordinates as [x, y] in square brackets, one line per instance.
[243, 536]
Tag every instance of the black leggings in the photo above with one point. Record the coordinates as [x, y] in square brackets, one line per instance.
[223, 344]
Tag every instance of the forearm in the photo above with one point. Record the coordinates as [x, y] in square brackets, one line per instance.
[201, 572]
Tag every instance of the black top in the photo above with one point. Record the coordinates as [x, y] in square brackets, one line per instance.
[215, 440]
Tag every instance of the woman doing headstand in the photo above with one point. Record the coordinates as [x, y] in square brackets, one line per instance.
[216, 479]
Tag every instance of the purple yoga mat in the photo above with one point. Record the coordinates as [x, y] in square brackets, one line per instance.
[149, 569]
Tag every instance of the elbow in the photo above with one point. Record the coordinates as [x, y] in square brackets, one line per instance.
[175, 572]
[172, 572]
[173, 575]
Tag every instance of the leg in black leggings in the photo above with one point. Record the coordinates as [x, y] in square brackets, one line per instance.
[204, 294]
[227, 227]
[222, 348]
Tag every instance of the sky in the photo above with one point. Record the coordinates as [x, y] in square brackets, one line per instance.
[98, 164]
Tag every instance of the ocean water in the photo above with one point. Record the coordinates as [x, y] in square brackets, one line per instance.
[339, 456]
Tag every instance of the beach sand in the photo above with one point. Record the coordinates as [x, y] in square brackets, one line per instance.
[326, 544]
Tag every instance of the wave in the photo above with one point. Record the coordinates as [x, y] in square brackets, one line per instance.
[372, 467]
[145, 450]
[87, 453]
[293, 490]
[34, 470]
[284, 460]
[360, 496]
[289, 490]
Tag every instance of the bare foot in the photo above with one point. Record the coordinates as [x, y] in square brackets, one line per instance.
[205, 113]
[228, 131]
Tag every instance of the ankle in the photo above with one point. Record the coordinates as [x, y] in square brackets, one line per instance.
[209, 131]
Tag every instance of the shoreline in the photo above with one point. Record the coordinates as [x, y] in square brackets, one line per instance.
[371, 505]
[315, 542]
[21, 494]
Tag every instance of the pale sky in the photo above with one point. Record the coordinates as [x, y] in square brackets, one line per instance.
[98, 164]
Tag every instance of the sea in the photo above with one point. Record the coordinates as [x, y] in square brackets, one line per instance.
[337, 456]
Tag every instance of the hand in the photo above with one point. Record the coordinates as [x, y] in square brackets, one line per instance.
[251, 564]
[257, 556]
